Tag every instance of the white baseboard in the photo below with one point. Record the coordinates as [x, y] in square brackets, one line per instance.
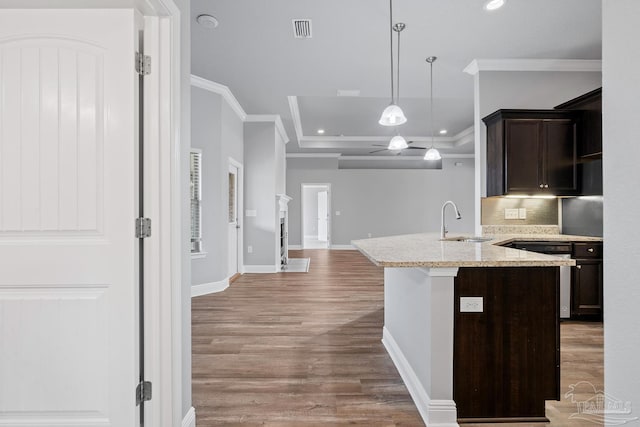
[343, 247]
[209, 288]
[435, 413]
[261, 269]
[189, 420]
[295, 247]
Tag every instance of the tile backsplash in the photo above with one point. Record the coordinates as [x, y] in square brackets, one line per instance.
[538, 211]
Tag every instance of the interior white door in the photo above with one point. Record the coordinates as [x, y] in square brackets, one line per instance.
[234, 226]
[68, 170]
[323, 214]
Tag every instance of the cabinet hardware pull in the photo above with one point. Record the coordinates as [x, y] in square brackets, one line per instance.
[546, 186]
[590, 250]
[541, 186]
[579, 267]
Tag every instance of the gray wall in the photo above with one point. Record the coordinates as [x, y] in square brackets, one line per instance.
[218, 132]
[260, 193]
[519, 89]
[621, 151]
[383, 202]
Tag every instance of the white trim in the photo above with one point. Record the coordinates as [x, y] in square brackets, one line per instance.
[440, 271]
[586, 65]
[198, 255]
[261, 269]
[275, 118]
[189, 420]
[435, 413]
[406, 158]
[209, 288]
[295, 247]
[343, 247]
[313, 155]
[233, 162]
[221, 90]
[295, 116]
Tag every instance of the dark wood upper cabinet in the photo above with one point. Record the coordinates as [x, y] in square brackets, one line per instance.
[589, 107]
[532, 152]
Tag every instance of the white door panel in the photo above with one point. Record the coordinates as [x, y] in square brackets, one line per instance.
[68, 290]
[233, 221]
[322, 216]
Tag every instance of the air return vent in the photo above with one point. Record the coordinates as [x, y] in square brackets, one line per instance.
[302, 28]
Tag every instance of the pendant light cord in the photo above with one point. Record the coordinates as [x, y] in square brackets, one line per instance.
[391, 45]
[431, 102]
[398, 71]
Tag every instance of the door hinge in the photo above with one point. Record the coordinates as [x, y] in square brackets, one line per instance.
[143, 392]
[143, 228]
[143, 64]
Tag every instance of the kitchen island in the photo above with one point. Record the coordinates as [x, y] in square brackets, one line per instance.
[472, 327]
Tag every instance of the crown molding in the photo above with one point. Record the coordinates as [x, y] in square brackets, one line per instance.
[585, 65]
[275, 119]
[313, 155]
[295, 116]
[406, 158]
[221, 90]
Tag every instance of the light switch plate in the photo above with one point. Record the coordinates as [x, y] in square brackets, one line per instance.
[511, 214]
[522, 213]
[471, 305]
[337, 213]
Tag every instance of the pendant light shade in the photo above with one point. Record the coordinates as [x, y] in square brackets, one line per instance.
[392, 116]
[432, 153]
[397, 143]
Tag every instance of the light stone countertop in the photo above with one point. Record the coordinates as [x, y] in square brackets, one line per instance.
[427, 250]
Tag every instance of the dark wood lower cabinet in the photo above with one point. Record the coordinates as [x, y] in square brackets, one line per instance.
[507, 358]
[586, 289]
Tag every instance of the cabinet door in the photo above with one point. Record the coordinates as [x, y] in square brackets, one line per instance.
[560, 157]
[586, 289]
[523, 151]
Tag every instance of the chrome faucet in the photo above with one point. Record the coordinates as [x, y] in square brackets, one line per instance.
[443, 230]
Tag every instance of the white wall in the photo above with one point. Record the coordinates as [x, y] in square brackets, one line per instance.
[218, 131]
[383, 202]
[520, 89]
[621, 175]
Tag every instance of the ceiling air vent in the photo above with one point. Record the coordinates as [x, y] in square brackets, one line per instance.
[302, 28]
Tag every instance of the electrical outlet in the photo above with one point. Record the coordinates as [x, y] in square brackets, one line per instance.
[511, 214]
[337, 213]
[368, 234]
[471, 305]
[249, 249]
[522, 213]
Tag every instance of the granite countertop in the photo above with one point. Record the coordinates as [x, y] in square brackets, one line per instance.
[427, 250]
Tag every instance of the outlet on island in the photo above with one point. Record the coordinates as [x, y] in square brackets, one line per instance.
[511, 213]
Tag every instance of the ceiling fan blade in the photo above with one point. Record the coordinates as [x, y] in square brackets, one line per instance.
[416, 148]
[377, 151]
[378, 145]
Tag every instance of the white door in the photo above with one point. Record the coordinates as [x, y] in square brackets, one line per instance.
[68, 257]
[323, 215]
[234, 225]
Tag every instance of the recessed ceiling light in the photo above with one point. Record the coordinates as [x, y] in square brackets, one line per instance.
[494, 4]
[348, 92]
[320, 131]
[443, 131]
[207, 21]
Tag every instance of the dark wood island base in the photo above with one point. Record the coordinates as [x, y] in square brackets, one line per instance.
[507, 357]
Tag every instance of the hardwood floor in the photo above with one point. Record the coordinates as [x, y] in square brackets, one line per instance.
[303, 349]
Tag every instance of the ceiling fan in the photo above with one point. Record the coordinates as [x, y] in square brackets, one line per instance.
[399, 152]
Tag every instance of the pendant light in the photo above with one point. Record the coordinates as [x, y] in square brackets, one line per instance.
[432, 153]
[393, 114]
[398, 142]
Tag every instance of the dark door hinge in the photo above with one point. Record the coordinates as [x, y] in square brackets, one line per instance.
[143, 392]
[143, 64]
[143, 228]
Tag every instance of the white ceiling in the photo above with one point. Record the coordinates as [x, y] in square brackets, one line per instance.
[254, 53]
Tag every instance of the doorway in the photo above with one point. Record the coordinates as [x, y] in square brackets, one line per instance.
[316, 218]
[235, 226]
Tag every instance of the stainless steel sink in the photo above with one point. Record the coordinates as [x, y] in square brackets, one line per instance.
[473, 239]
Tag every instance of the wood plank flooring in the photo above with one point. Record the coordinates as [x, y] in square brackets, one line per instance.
[303, 349]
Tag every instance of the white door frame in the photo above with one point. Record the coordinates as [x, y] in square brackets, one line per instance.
[163, 265]
[329, 216]
[240, 211]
